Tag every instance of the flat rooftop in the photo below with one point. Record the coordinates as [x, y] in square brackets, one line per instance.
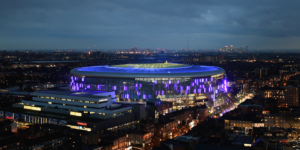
[49, 114]
[243, 139]
[185, 138]
[92, 94]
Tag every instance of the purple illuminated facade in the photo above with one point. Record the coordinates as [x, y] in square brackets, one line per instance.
[179, 85]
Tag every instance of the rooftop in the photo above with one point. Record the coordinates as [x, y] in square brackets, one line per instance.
[92, 94]
[243, 139]
[218, 147]
[152, 65]
[50, 114]
[148, 70]
[185, 138]
[272, 88]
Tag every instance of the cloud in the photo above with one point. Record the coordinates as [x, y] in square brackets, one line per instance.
[147, 23]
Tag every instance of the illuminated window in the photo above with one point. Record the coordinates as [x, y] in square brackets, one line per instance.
[75, 113]
[33, 108]
[103, 100]
[84, 106]
[86, 101]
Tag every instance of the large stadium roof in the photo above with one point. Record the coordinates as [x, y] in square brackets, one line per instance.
[156, 70]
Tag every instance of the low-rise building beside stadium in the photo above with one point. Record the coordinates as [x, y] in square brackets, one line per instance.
[90, 111]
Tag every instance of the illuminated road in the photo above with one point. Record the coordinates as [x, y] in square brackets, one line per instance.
[230, 105]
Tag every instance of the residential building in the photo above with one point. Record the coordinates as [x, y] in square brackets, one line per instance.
[156, 107]
[276, 93]
[165, 127]
[182, 143]
[291, 96]
[120, 142]
[140, 139]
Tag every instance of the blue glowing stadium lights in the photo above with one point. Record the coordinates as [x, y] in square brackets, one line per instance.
[144, 83]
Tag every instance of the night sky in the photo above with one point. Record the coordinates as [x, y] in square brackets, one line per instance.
[120, 24]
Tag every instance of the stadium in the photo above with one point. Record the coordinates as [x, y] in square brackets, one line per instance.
[184, 85]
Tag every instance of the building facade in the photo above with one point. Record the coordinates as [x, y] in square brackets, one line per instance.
[291, 96]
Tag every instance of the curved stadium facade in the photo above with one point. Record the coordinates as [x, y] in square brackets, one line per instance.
[184, 85]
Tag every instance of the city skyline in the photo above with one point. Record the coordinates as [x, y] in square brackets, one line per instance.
[147, 99]
[148, 24]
